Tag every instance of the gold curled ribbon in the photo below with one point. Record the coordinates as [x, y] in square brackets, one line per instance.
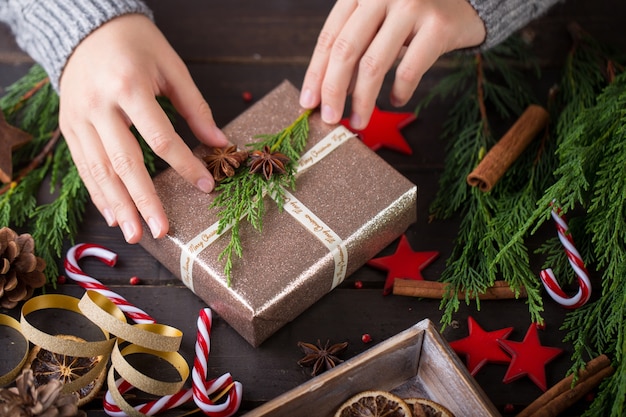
[103, 312]
[10, 376]
[55, 344]
[337, 247]
[64, 346]
[119, 399]
[152, 338]
[142, 381]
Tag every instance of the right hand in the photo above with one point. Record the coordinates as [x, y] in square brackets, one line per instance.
[362, 39]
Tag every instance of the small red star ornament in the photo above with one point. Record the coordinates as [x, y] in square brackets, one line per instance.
[404, 263]
[481, 347]
[10, 139]
[529, 358]
[383, 130]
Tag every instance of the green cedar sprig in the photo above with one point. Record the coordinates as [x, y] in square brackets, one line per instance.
[487, 89]
[240, 197]
[591, 176]
[32, 105]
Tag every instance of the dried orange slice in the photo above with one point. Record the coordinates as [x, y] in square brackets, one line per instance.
[421, 407]
[374, 404]
[47, 366]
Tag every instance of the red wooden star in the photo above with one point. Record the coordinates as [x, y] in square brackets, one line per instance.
[529, 358]
[383, 130]
[481, 347]
[404, 263]
[10, 139]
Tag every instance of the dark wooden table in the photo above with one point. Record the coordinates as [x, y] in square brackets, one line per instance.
[240, 46]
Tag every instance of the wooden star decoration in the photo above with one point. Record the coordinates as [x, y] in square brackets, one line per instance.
[529, 358]
[11, 138]
[383, 130]
[481, 347]
[404, 263]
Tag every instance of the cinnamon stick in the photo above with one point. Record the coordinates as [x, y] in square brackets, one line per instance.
[502, 155]
[433, 289]
[562, 395]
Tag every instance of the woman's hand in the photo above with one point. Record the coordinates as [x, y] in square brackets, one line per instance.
[362, 39]
[110, 83]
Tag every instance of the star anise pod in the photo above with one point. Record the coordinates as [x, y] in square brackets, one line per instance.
[222, 162]
[321, 358]
[267, 162]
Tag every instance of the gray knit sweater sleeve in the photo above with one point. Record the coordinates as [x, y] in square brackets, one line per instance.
[49, 30]
[503, 17]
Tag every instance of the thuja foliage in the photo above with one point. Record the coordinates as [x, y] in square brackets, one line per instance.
[44, 165]
[240, 197]
[579, 166]
[487, 90]
[590, 175]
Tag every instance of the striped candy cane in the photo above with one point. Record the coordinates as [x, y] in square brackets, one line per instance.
[202, 389]
[547, 276]
[151, 408]
[73, 270]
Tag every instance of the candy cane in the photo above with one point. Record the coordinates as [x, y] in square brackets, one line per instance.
[151, 408]
[202, 389]
[73, 270]
[547, 276]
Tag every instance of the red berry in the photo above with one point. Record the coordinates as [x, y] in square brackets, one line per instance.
[358, 284]
[135, 281]
[509, 408]
[247, 96]
[590, 396]
[541, 326]
[366, 338]
[61, 279]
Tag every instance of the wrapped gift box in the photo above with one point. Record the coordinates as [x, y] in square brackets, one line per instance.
[350, 194]
[415, 363]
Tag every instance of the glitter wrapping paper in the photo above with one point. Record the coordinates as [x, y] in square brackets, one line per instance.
[285, 268]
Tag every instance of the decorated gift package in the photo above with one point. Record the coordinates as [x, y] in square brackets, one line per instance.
[347, 205]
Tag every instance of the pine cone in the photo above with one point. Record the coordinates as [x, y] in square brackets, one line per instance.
[26, 400]
[21, 272]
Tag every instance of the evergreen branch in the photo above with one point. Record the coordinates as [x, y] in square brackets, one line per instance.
[591, 133]
[487, 224]
[241, 197]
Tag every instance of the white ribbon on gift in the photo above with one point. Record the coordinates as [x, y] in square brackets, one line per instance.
[294, 207]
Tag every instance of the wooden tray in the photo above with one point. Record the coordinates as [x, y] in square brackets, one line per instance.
[417, 362]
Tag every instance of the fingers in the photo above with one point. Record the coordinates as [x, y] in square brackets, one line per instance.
[125, 182]
[420, 55]
[83, 166]
[357, 46]
[374, 64]
[188, 101]
[98, 169]
[111, 163]
[156, 129]
[310, 96]
[348, 53]
[361, 41]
